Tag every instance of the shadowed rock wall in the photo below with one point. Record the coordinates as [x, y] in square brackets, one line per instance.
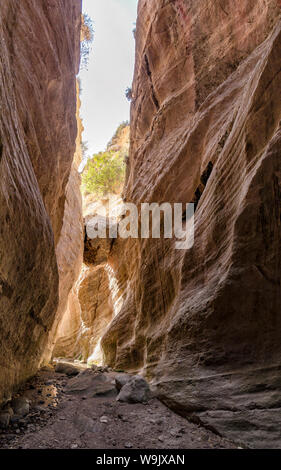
[39, 58]
[204, 325]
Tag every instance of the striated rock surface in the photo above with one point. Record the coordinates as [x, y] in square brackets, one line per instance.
[94, 299]
[96, 311]
[204, 324]
[88, 314]
[39, 57]
[70, 248]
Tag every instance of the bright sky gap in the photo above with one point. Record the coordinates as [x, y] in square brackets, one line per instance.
[110, 70]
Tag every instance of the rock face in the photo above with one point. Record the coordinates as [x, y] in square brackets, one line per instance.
[94, 300]
[136, 390]
[204, 324]
[70, 248]
[89, 312]
[40, 44]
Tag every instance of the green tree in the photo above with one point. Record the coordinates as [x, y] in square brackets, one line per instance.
[104, 173]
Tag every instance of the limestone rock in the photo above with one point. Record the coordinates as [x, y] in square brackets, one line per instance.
[5, 418]
[104, 420]
[121, 380]
[136, 390]
[20, 406]
[68, 369]
[91, 384]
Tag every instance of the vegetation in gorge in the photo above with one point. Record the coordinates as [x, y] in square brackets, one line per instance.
[105, 171]
[87, 37]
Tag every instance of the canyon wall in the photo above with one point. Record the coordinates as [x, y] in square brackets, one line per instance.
[83, 317]
[70, 248]
[204, 324]
[40, 52]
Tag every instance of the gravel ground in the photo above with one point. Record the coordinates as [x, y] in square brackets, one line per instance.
[82, 413]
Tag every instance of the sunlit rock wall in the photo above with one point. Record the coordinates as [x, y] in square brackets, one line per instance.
[39, 58]
[91, 304]
[204, 324]
[70, 248]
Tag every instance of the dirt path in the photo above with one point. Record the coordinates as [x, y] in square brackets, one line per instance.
[82, 412]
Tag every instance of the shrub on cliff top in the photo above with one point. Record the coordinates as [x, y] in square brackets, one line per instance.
[87, 37]
[104, 174]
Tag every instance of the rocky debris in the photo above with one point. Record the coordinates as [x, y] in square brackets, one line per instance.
[135, 390]
[98, 422]
[103, 369]
[121, 380]
[84, 423]
[104, 419]
[5, 418]
[33, 406]
[20, 406]
[68, 369]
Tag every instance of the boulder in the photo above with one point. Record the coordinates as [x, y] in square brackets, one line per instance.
[5, 418]
[68, 369]
[121, 380]
[20, 406]
[135, 390]
[91, 383]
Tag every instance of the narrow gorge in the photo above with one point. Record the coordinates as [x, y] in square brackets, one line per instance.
[202, 325]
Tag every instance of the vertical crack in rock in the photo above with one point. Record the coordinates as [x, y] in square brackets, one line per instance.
[5, 289]
[37, 320]
[149, 73]
[203, 183]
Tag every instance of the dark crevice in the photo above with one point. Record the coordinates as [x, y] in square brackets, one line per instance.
[148, 71]
[223, 9]
[5, 289]
[203, 183]
[207, 173]
[112, 241]
[37, 320]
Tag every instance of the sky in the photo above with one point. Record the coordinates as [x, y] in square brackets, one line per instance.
[110, 70]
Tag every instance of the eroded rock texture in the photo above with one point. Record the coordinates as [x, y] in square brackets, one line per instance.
[204, 324]
[70, 248]
[88, 314]
[39, 58]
